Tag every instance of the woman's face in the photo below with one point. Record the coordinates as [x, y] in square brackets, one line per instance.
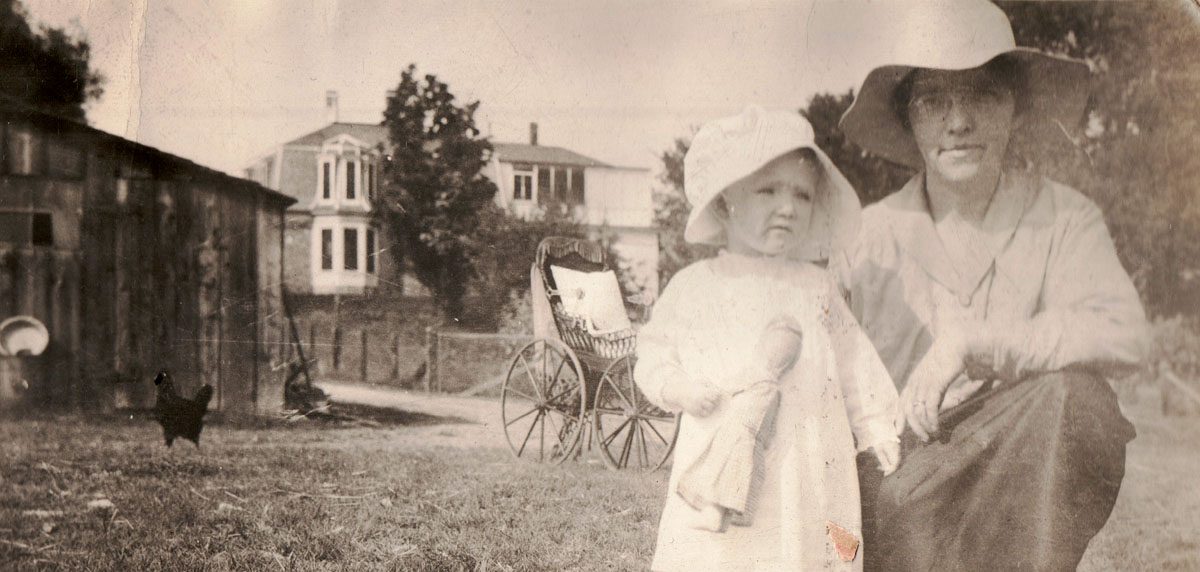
[961, 121]
[768, 212]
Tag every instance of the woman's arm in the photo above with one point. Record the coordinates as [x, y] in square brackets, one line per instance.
[1091, 315]
[867, 387]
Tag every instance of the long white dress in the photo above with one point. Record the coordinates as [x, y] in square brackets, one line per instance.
[704, 327]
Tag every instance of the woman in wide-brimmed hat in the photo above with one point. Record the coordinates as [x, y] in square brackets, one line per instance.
[996, 299]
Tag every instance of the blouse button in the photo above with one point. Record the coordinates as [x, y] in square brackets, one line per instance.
[964, 299]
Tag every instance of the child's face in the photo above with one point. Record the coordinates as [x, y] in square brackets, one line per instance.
[768, 212]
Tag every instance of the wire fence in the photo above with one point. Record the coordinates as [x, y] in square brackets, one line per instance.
[469, 363]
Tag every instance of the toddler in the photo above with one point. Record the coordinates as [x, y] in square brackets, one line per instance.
[778, 385]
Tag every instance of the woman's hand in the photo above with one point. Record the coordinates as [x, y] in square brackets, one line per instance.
[921, 398]
[888, 454]
[697, 399]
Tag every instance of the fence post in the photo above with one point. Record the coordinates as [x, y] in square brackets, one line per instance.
[312, 344]
[337, 347]
[364, 354]
[395, 356]
[430, 357]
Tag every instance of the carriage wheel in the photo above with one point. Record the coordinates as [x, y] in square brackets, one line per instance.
[543, 401]
[631, 431]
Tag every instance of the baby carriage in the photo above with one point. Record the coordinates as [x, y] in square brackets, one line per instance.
[574, 383]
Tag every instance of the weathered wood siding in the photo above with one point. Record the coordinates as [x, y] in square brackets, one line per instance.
[156, 264]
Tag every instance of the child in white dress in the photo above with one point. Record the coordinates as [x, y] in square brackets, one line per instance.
[778, 385]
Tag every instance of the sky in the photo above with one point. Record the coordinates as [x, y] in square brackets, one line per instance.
[222, 82]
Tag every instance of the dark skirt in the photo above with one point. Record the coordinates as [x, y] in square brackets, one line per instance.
[1020, 478]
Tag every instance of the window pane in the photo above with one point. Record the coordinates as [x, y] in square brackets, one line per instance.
[370, 184]
[326, 249]
[543, 185]
[517, 190]
[326, 180]
[43, 229]
[577, 197]
[14, 228]
[22, 152]
[350, 248]
[560, 184]
[350, 172]
[371, 251]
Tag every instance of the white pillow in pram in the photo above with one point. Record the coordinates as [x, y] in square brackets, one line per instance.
[593, 296]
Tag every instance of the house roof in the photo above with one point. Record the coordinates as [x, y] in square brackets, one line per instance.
[370, 133]
[10, 105]
[374, 134]
[543, 155]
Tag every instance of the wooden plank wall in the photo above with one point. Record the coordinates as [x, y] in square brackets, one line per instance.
[153, 267]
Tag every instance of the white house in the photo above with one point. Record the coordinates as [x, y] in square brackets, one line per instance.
[331, 243]
[608, 199]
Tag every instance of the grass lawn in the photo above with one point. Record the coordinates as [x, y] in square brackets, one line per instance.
[318, 497]
[306, 498]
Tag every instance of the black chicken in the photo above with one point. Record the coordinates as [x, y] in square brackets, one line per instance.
[180, 417]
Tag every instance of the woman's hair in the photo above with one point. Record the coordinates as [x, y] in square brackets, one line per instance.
[1003, 70]
[807, 157]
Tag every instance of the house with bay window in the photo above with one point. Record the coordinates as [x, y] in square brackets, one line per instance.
[332, 242]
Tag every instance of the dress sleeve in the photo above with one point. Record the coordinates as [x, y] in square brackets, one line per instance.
[658, 363]
[866, 386]
[1090, 312]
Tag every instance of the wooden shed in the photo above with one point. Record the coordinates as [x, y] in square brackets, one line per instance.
[137, 260]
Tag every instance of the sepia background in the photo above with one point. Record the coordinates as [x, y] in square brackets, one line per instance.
[239, 193]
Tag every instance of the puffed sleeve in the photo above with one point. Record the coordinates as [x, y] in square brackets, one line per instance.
[866, 385]
[1090, 315]
[658, 363]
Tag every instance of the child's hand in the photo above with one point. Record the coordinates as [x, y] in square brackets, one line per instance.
[697, 399]
[779, 345]
[888, 454]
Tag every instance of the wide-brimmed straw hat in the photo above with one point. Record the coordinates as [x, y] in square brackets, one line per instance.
[961, 35]
[729, 149]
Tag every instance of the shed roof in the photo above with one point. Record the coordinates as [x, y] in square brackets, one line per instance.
[11, 106]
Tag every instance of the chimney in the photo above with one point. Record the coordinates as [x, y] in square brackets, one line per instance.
[331, 106]
[533, 134]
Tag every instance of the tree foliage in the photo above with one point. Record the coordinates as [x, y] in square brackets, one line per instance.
[45, 68]
[434, 192]
[1135, 152]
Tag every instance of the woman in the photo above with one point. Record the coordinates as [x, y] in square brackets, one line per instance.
[995, 298]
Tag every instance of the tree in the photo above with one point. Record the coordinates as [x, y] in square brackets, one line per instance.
[872, 177]
[1135, 153]
[434, 192]
[47, 68]
[671, 211]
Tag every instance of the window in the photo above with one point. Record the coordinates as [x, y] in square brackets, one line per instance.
[26, 229]
[543, 184]
[371, 251]
[350, 248]
[43, 229]
[326, 180]
[21, 152]
[560, 184]
[326, 249]
[576, 196]
[350, 171]
[523, 186]
[370, 175]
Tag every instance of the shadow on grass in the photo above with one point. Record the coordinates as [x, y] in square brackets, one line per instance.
[340, 415]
